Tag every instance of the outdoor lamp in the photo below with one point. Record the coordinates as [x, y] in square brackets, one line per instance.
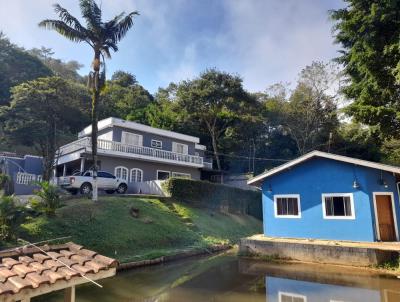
[269, 189]
[356, 185]
[383, 181]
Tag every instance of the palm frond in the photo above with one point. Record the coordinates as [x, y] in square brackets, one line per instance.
[106, 52]
[123, 26]
[91, 13]
[64, 29]
[68, 18]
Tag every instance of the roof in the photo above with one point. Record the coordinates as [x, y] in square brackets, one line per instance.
[28, 272]
[113, 121]
[359, 162]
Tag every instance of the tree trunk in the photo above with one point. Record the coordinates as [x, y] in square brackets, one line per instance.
[215, 149]
[95, 102]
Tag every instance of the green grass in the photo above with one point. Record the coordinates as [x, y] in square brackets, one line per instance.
[162, 228]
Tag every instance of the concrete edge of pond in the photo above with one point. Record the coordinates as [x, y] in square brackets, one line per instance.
[180, 255]
[355, 254]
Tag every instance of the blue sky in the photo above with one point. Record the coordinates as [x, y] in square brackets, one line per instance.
[264, 41]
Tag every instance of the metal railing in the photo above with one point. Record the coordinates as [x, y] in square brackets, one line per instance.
[85, 143]
[27, 178]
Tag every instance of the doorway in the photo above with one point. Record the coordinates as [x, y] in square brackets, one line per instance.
[385, 217]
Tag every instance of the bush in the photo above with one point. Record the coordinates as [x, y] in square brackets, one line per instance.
[50, 199]
[10, 215]
[215, 196]
[5, 184]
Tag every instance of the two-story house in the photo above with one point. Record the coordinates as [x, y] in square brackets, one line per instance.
[135, 152]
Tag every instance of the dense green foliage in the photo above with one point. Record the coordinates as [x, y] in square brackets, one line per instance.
[16, 67]
[368, 32]
[215, 196]
[10, 215]
[44, 113]
[49, 198]
[160, 229]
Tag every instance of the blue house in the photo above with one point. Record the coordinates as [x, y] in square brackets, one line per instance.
[326, 196]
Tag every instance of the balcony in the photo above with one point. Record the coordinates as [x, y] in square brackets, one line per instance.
[107, 147]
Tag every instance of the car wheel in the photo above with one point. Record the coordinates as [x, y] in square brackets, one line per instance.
[110, 191]
[86, 188]
[122, 188]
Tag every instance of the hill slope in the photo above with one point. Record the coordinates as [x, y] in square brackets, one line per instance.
[162, 228]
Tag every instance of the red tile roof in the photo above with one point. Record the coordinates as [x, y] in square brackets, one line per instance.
[30, 268]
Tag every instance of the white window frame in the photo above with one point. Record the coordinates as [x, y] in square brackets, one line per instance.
[378, 235]
[292, 295]
[141, 175]
[353, 210]
[169, 173]
[156, 141]
[122, 168]
[125, 133]
[183, 175]
[287, 196]
[175, 146]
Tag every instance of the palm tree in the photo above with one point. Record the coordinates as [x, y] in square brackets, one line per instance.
[102, 37]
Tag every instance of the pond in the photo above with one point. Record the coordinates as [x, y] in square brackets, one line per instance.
[227, 278]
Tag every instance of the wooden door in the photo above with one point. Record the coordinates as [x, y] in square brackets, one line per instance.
[385, 218]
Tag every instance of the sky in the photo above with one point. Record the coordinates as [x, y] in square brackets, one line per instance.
[263, 41]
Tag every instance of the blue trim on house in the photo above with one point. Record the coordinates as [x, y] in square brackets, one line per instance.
[312, 178]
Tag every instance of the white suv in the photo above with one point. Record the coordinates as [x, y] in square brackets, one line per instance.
[83, 183]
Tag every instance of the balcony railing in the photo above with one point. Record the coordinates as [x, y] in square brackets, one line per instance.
[106, 145]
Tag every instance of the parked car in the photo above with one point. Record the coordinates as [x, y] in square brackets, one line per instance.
[83, 182]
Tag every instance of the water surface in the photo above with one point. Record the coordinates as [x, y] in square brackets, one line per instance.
[227, 278]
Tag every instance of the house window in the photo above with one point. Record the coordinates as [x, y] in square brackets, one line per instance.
[156, 144]
[289, 297]
[128, 138]
[180, 148]
[162, 175]
[136, 175]
[338, 206]
[181, 175]
[287, 206]
[122, 173]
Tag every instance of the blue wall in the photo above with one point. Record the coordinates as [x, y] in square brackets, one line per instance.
[310, 180]
[317, 292]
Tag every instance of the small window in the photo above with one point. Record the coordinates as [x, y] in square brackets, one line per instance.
[156, 144]
[136, 175]
[163, 175]
[121, 172]
[181, 175]
[289, 297]
[338, 206]
[287, 206]
[128, 138]
[180, 148]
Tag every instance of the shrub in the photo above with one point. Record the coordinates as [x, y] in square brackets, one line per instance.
[5, 184]
[214, 196]
[50, 199]
[10, 215]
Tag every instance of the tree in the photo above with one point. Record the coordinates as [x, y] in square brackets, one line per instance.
[42, 113]
[215, 99]
[101, 37]
[67, 70]
[368, 32]
[16, 67]
[123, 97]
[310, 114]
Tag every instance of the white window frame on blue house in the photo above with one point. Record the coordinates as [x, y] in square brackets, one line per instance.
[291, 295]
[353, 210]
[297, 196]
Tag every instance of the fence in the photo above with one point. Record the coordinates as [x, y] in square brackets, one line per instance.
[27, 178]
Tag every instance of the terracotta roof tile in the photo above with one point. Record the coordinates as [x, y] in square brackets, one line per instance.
[30, 268]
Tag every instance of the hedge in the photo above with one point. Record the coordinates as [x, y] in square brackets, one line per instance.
[215, 196]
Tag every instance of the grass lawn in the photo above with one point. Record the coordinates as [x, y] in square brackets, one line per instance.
[162, 228]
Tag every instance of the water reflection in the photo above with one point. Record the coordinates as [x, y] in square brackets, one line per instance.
[225, 278]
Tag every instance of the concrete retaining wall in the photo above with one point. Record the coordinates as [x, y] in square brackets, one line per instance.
[342, 255]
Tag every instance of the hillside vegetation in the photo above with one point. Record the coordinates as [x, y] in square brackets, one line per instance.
[162, 228]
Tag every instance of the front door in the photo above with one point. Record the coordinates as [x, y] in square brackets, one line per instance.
[384, 213]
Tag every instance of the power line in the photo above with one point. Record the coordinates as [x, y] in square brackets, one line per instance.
[249, 157]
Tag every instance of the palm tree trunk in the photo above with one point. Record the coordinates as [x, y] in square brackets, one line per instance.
[95, 102]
